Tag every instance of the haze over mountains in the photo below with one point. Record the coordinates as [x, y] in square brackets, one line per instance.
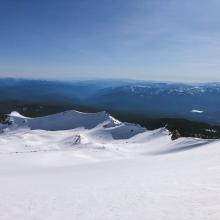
[198, 102]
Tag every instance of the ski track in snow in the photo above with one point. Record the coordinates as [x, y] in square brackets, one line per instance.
[81, 166]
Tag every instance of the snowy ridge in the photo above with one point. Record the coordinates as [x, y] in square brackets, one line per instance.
[63, 121]
[171, 88]
[73, 130]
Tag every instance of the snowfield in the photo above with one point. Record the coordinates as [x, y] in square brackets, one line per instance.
[90, 166]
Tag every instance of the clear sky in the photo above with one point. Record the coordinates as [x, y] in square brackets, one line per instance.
[139, 39]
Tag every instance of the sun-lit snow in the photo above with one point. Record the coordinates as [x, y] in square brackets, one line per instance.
[89, 166]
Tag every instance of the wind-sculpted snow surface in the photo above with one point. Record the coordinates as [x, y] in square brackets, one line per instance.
[90, 166]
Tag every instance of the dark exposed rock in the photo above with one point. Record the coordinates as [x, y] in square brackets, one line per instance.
[175, 135]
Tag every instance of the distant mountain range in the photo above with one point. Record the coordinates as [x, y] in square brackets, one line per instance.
[152, 100]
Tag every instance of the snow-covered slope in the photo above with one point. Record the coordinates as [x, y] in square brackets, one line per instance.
[89, 166]
[66, 130]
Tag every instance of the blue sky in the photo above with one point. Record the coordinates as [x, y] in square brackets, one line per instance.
[138, 39]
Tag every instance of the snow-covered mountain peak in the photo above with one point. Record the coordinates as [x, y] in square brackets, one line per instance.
[64, 121]
[16, 114]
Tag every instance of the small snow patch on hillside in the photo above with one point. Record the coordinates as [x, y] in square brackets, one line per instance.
[197, 111]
